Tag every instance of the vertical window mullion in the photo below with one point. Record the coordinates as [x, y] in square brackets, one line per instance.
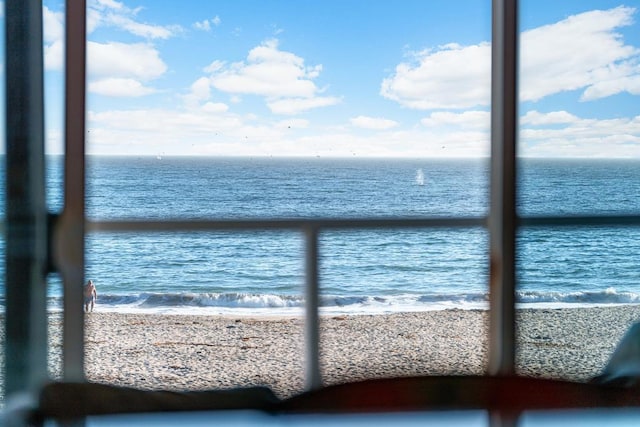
[502, 215]
[313, 380]
[26, 218]
[71, 230]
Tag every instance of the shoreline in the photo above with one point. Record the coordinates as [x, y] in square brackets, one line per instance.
[299, 312]
[196, 352]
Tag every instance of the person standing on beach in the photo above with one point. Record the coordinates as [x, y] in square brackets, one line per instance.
[90, 296]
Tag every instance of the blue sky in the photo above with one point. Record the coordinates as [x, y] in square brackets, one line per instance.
[408, 78]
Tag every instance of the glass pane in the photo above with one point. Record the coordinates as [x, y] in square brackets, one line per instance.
[252, 110]
[196, 311]
[402, 303]
[579, 141]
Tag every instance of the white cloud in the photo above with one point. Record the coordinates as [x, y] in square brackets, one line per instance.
[119, 88]
[214, 67]
[222, 133]
[53, 34]
[106, 4]
[111, 13]
[206, 24]
[451, 77]
[465, 120]
[198, 92]
[577, 53]
[53, 25]
[415, 143]
[202, 25]
[562, 134]
[583, 138]
[215, 107]
[298, 105]
[114, 69]
[54, 55]
[268, 72]
[281, 77]
[119, 60]
[120, 70]
[140, 29]
[212, 130]
[170, 123]
[582, 52]
[602, 89]
[94, 19]
[555, 117]
[374, 123]
[209, 131]
[201, 88]
[292, 124]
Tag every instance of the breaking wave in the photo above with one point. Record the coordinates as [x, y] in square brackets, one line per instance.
[237, 302]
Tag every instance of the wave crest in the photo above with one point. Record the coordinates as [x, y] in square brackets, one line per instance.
[230, 301]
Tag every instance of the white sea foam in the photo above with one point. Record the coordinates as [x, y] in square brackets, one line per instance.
[273, 304]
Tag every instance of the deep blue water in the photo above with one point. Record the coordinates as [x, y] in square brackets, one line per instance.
[361, 271]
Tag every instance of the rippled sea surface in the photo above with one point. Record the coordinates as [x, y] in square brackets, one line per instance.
[360, 270]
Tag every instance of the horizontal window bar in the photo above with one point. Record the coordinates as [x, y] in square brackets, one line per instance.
[279, 224]
[143, 225]
[582, 221]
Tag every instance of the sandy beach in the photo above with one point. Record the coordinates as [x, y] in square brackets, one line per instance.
[180, 352]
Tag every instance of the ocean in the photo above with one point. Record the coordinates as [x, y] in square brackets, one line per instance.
[361, 271]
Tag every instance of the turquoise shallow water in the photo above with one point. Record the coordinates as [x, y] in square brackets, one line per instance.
[361, 271]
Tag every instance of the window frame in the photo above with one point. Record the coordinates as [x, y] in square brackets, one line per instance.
[46, 243]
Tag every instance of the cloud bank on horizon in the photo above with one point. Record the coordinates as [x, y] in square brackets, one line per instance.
[204, 83]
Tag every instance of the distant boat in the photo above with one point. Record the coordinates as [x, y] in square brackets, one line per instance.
[159, 157]
[419, 177]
